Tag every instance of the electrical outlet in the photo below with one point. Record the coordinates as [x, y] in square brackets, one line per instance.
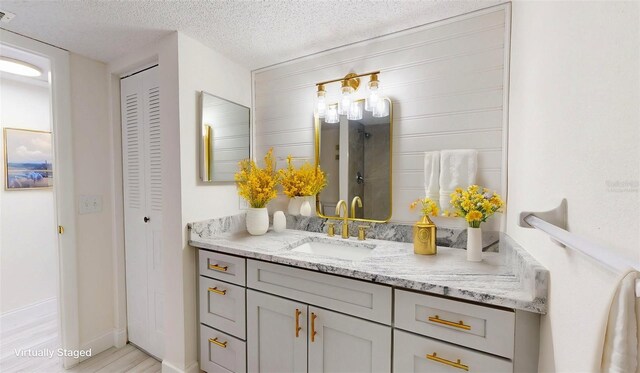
[90, 204]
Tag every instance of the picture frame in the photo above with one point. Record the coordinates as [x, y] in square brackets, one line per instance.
[28, 159]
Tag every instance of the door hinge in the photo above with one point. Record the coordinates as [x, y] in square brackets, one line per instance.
[60, 229]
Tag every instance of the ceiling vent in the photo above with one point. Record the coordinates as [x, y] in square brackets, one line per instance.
[6, 17]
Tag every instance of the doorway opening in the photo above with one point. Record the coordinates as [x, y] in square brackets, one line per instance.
[29, 270]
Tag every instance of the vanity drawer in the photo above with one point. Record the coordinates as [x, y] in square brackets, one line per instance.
[353, 297]
[483, 328]
[222, 306]
[220, 352]
[223, 267]
[412, 353]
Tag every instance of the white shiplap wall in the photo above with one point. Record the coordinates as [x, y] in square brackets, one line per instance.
[448, 82]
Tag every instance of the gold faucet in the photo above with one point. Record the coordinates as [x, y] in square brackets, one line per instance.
[345, 218]
[355, 200]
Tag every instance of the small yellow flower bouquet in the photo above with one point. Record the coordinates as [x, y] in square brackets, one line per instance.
[304, 181]
[429, 207]
[476, 204]
[257, 185]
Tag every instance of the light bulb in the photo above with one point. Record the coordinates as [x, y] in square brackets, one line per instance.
[345, 101]
[381, 109]
[355, 111]
[374, 93]
[320, 103]
[332, 115]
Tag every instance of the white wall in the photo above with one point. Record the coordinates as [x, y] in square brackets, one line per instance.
[93, 175]
[202, 68]
[28, 274]
[446, 81]
[574, 132]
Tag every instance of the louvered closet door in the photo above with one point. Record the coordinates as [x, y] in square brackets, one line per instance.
[142, 175]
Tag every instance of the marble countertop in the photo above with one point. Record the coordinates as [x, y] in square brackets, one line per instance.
[507, 277]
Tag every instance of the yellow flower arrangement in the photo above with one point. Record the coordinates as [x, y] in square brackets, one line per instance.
[257, 185]
[429, 207]
[304, 181]
[475, 204]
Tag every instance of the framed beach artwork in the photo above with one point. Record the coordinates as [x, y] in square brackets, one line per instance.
[28, 159]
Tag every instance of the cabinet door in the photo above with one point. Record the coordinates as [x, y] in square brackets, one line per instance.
[273, 343]
[347, 344]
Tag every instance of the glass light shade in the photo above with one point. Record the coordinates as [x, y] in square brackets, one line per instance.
[374, 97]
[320, 105]
[9, 65]
[381, 109]
[345, 101]
[356, 110]
[332, 115]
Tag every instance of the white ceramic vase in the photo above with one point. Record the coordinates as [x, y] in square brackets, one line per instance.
[294, 205]
[474, 244]
[279, 222]
[305, 207]
[257, 221]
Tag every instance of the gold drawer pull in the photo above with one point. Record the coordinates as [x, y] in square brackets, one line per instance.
[456, 364]
[216, 342]
[298, 327]
[460, 324]
[217, 291]
[216, 267]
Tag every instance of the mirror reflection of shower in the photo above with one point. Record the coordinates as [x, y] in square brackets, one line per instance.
[356, 154]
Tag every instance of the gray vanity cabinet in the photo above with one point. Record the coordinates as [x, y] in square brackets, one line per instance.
[259, 316]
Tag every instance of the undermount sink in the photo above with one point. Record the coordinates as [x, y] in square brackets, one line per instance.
[336, 249]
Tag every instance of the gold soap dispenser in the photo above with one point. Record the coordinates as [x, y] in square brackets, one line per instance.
[424, 231]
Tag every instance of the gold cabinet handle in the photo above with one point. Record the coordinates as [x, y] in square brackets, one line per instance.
[460, 324]
[216, 267]
[217, 291]
[216, 342]
[313, 327]
[298, 327]
[456, 364]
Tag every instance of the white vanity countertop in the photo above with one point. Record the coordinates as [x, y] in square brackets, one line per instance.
[509, 278]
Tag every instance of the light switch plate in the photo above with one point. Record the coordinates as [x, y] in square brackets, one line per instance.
[89, 204]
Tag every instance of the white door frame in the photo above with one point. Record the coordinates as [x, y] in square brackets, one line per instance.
[64, 188]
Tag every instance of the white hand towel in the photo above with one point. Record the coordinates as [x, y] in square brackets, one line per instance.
[458, 168]
[432, 175]
[620, 352]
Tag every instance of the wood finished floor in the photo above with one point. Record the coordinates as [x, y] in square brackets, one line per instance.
[41, 333]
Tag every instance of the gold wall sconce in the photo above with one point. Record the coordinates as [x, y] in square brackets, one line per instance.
[353, 109]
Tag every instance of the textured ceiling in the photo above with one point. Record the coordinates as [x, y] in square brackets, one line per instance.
[253, 33]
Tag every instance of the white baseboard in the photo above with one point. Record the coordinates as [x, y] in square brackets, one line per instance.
[29, 313]
[167, 367]
[120, 338]
[103, 343]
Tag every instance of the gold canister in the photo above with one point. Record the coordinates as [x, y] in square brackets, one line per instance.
[424, 237]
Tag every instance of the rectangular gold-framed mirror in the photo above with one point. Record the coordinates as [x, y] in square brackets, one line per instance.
[356, 155]
[225, 139]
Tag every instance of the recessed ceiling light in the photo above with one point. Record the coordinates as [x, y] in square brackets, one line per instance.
[9, 65]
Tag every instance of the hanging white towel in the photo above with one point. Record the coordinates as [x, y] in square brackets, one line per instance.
[458, 168]
[621, 350]
[432, 175]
